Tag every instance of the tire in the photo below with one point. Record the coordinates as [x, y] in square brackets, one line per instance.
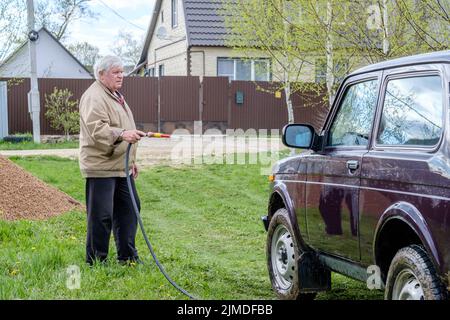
[282, 255]
[412, 276]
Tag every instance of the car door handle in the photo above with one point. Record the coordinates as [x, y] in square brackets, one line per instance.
[353, 164]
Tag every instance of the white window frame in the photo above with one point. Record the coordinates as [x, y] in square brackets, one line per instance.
[253, 74]
[174, 14]
[162, 68]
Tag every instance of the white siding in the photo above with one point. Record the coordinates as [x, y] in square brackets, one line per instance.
[208, 67]
[18, 65]
[172, 52]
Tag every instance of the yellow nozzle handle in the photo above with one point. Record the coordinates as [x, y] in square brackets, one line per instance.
[157, 135]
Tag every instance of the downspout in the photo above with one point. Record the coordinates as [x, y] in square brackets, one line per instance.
[188, 61]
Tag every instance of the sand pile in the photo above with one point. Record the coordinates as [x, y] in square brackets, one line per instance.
[22, 196]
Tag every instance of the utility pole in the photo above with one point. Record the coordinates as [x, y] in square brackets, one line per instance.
[33, 96]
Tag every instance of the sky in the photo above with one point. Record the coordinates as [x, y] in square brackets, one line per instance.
[102, 30]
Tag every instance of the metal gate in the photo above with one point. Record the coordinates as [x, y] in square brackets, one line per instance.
[3, 109]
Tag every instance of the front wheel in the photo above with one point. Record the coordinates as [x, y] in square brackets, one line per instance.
[412, 276]
[282, 256]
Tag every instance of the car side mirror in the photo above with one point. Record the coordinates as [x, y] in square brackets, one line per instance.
[301, 136]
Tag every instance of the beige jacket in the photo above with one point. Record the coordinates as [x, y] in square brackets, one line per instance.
[102, 119]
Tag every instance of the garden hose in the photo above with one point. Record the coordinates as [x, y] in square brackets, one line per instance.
[141, 225]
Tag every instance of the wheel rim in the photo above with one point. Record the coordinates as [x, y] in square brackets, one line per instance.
[407, 287]
[283, 258]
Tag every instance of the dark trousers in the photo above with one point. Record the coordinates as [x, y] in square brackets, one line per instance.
[109, 206]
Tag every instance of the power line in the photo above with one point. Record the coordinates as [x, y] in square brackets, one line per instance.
[121, 17]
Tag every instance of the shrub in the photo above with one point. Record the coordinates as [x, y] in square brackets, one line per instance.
[62, 112]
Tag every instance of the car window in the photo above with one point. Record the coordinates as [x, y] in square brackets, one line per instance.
[412, 112]
[353, 122]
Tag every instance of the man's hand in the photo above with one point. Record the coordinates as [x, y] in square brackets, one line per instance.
[134, 171]
[132, 136]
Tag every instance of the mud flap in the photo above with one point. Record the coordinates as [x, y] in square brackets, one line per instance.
[313, 276]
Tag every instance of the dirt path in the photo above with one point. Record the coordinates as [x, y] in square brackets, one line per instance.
[176, 150]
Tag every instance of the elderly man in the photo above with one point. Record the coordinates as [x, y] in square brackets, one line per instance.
[106, 128]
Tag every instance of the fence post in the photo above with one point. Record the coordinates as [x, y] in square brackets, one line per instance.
[3, 109]
[229, 104]
[200, 102]
[159, 104]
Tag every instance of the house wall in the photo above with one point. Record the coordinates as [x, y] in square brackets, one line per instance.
[204, 62]
[18, 65]
[171, 53]
[52, 61]
[204, 59]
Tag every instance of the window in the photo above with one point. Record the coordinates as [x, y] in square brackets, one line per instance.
[150, 72]
[353, 121]
[340, 70]
[174, 13]
[225, 68]
[162, 16]
[412, 112]
[161, 70]
[244, 69]
[261, 70]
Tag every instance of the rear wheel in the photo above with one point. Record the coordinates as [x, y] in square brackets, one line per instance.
[282, 256]
[412, 276]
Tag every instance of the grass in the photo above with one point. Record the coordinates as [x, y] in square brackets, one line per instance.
[30, 145]
[203, 222]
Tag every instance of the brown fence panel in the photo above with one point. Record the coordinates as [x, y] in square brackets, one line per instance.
[260, 109]
[179, 98]
[215, 99]
[141, 95]
[46, 86]
[19, 120]
[310, 107]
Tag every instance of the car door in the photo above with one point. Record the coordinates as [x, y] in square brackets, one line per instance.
[333, 174]
[405, 166]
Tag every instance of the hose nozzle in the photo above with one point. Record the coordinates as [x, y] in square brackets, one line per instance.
[157, 135]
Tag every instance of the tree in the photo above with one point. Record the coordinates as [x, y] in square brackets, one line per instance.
[62, 112]
[265, 27]
[337, 36]
[297, 35]
[86, 53]
[385, 29]
[429, 20]
[127, 48]
[12, 21]
[56, 16]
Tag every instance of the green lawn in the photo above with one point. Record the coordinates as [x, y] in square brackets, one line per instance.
[203, 222]
[29, 145]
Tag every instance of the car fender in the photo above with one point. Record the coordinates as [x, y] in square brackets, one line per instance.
[410, 215]
[281, 190]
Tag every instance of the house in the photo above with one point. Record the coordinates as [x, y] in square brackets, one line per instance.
[187, 38]
[53, 60]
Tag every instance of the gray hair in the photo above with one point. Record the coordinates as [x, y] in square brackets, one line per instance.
[106, 63]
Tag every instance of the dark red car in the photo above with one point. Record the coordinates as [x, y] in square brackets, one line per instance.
[371, 197]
